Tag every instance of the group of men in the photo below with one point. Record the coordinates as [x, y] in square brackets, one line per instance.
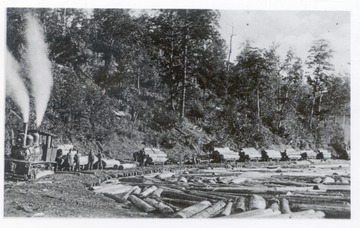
[71, 161]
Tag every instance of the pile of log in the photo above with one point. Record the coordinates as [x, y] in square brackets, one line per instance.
[156, 155]
[225, 193]
[225, 154]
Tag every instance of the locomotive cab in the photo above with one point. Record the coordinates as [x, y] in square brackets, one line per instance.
[30, 156]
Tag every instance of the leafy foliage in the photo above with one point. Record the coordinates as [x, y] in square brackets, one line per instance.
[126, 80]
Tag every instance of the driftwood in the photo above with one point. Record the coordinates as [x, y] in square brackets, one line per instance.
[249, 214]
[228, 208]
[256, 202]
[142, 205]
[240, 204]
[285, 208]
[159, 206]
[212, 211]
[148, 191]
[192, 210]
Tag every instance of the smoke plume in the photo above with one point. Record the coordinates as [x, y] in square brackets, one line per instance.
[15, 87]
[39, 67]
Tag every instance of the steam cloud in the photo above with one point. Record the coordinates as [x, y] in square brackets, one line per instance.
[15, 87]
[40, 67]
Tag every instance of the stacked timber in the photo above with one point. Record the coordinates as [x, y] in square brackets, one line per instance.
[252, 153]
[157, 156]
[309, 154]
[225, 154]
[292, 154]
[273, 154]
[326, 153]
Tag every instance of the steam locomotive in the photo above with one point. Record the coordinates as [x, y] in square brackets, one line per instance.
[32, 155]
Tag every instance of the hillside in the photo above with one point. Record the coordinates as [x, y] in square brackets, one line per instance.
[163, 81]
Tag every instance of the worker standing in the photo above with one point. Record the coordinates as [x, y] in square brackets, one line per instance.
[70, 160]
[91, 158]
[59, 160]
[77, 161]
[100, 157]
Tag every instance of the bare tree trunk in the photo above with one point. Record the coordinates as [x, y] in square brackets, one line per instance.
[138, 81]
[230, 49]
[182, 114]
[312, 111]
[228, 64]
[258, 109]
[64, 22]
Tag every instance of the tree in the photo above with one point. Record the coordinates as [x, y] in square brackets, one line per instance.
[320, 69]
[185, 39]
[253, 75]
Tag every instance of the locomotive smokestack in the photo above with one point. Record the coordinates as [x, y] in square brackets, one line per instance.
[25, 132]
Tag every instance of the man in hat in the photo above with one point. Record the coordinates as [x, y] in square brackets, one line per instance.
[100, 157]
[91, 158]
[77, 161]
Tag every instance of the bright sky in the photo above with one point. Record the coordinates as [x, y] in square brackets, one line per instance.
[290, 29]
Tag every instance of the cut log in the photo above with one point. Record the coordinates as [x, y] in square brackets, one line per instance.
[113, 189]
[141, 204]
[159, 199]
[331, 210]
[164, 176]
[148, 191]
[117, 199]
[181, 195]
[238, 180]
[308, 214]
[285, 208]
[291, 183]
[256, 202]
[179, 202]
[158, 192]
[270, 214]
[208, 195]
[240, 205]
[294, 189]
[212, 211]
[127, 166]
[228, 209]
[249, 214]
[131, 191]
[159, 206]
[137, 191]
[274, 204]
[192, 210]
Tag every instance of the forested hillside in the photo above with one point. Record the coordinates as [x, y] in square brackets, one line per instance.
[164, 80]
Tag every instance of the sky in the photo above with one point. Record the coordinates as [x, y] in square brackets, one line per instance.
[294, 30]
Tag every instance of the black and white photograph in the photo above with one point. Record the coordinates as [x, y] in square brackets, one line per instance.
[177, 113]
